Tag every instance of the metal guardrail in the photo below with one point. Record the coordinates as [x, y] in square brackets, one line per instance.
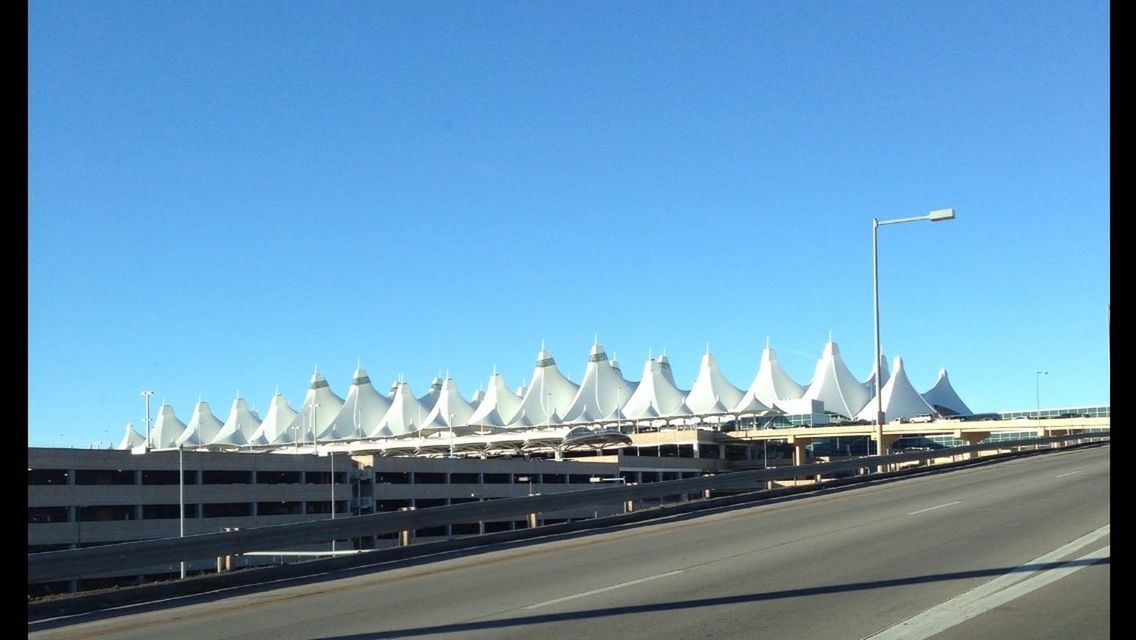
[75, 563]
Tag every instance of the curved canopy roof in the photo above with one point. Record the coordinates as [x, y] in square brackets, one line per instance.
[239, 427]
[318, 411]
[362, 410]
[274, 428]
[167, 428]
[203, 426]
[498, 407]
[657, 395]
[712, 392]
[131, 438]
[404, 415]
[451, 409]
[900, 399]
[944, 400]
[602, 391]
[835, 386]
[771, 383]
[432, 394]
[549, 395]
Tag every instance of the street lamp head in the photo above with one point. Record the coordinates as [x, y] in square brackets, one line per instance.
[939, 215]
[1042, 373]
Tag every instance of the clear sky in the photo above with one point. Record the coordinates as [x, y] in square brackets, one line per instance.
[224, 196]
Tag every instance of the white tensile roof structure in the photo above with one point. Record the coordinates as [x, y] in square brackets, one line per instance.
[405, 414]
[835, 386]
[449, 411]
[432, 394]
[203, 426]
[549, 395]
[478, 396]
[364, 407]
[167, 428]
[274, 428]
[498, 407]
[239, 427]
[711, 391]
[657, 395]
[131, 438]
[315, 421]
[870, 383]
[944, 400]
[601, 393]
[771, 384]
[901, 400]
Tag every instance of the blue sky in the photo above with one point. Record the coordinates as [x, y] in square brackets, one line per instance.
[223, 196]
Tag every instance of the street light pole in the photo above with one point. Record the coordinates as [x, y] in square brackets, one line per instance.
[181, 501]
[146, 393]
[937, 215]
[1037, 390]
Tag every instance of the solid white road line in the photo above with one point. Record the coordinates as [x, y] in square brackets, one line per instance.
[997, 592]
[595, 591]
[939, 506]
[1066, 474]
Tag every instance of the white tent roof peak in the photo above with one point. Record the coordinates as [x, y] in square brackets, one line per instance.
[900, 399]
[771, 383]
[239, 427]
[362, 409]
[202, 428]
[656, 394]
[406, 413]
[166, 429]
[943, 398]
[318, 411]
[274, 429]
[450, 410]
[870, 383]
[835, 386]
[498, 407]
[550, 392]
[711, 389]
[131, 438]
[602, 390]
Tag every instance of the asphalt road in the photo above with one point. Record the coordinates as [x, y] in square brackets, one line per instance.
[1016, 549]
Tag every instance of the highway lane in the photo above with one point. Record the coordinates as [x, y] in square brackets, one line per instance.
[844, 564]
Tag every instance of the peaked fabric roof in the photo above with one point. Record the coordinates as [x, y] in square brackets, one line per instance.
[364, 407]
[550, 392]
[131, 438]
[315, 421]
[239, 427]
[712, 392]
[274, 429]
[942, 396]
[432, 394]
[498, 407]
[478, 396]
[657, 395]
[449, 411]
[771, 383]
[901, 400]
[405, 414]
[602, 391]
[203, 426]
[870, 383]
[167, 428]
[835, 386]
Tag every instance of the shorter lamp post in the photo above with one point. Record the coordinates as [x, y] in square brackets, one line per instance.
[1037, 391]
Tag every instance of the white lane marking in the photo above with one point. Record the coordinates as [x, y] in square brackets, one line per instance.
[1018, 582]
[595, 591]
[938, 506]
[1066, 474]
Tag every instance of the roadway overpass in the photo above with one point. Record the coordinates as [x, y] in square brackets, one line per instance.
[1011, 549]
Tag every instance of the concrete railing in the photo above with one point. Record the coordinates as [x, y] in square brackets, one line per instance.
[76, 563]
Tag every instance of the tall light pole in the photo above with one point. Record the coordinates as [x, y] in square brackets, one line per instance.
[937, 215]
[451, 435]
[181, 502]
[315, 406]
[1037, 390]
[146, 393]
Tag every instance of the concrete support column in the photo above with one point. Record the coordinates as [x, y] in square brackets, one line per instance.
[406, 535]
[628, 506]
[532, 520]
[972, 438]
